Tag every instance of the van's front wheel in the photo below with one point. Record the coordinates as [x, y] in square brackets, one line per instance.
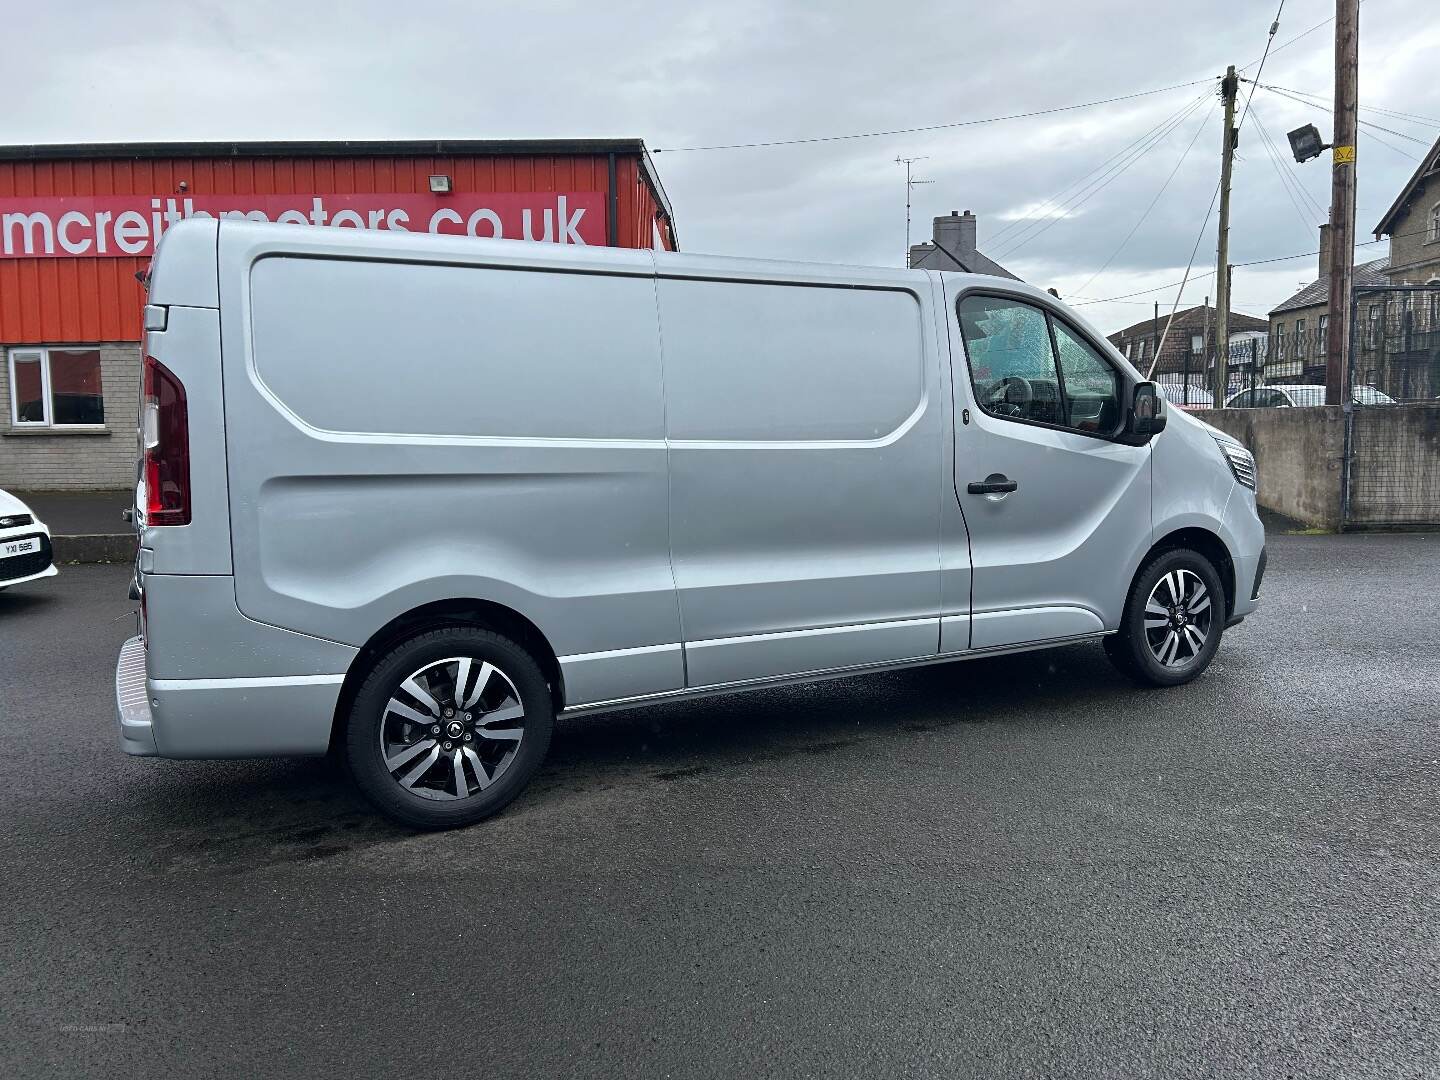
[449, 727]
[1173, 620]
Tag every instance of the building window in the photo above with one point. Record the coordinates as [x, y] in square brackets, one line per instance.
[1197, 343]
[1435, 224]
[56, 388]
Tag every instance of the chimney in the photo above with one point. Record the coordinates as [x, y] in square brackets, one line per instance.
[1324, 252]
[956, 233]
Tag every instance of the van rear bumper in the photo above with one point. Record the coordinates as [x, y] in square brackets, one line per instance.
[132, 701]
[221, 718]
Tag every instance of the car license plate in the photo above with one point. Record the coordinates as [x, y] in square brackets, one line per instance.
[11, 548]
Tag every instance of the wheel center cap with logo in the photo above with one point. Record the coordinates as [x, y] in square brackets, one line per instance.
[454, 729]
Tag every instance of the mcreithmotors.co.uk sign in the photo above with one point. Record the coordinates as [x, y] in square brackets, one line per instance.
[128, 225]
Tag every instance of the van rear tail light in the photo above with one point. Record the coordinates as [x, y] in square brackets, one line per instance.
[165, 435]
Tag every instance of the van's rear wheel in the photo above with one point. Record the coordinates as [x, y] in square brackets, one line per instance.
[1173, 620]
[449, 727]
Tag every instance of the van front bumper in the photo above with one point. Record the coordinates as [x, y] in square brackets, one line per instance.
[221, 718]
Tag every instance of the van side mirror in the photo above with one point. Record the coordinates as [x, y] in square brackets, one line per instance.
[1146, 417]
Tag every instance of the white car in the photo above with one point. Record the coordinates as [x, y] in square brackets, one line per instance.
[1196, 398]
[25, 553]
[1280, 397]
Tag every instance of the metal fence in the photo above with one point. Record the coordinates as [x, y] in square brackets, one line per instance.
[1392, 433]
[1375, 463]
[1253, 363]
[1395, 342]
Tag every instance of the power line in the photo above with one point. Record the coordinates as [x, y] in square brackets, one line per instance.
[1297, 195]
[1391, 146]
[1415, 118]
[1039, 227]
[1293, 96]
[1142, 292]
[1287, 176]
[1293, 40]
[1239, 265]
[1269, 40]
[1053, 202]
[1367, 124]
[1141, 221]
[929, 127]
[1204, 224]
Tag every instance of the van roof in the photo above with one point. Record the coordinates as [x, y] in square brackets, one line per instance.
[255, 239]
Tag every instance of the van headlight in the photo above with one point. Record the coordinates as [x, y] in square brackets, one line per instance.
[1240, 460]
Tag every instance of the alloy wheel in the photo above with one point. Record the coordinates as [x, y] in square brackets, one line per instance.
[452, 728]
[1178, 618]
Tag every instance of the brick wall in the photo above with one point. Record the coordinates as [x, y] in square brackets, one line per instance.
[77, 461]
[1415, 257]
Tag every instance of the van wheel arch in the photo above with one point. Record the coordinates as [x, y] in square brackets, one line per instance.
[485, 614]
[1205, 543]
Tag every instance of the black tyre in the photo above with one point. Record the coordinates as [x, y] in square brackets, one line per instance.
[1174, 617]
[448, 727]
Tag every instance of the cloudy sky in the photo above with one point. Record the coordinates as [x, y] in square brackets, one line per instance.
[704, 73]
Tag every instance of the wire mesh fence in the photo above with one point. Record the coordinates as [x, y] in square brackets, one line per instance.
[1392, 440]
[1395, 344]
[1388, 472]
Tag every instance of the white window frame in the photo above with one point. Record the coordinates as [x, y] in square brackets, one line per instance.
[42, 352]
[1434, 230]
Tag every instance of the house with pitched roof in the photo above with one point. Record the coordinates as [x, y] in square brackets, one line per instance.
[1398, 333]
[1188, 350]
[1413, 225]
[954, 248]
[1298, 325]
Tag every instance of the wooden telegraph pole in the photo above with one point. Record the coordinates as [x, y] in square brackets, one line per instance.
[1342, 201]
[1228, 87]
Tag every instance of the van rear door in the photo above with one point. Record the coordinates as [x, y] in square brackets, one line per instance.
[182, 505]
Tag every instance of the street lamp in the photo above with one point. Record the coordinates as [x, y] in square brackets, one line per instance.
[1305, 143]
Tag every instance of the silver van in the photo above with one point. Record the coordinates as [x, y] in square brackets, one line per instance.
[411, 498]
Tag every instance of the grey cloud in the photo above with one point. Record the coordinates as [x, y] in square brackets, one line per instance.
[746, 70]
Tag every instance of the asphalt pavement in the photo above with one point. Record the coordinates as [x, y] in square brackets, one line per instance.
[1014, 867]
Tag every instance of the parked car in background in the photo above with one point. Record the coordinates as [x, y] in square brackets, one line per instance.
[612, 478]
[1281, 397]
[1195, 397]
[25, 553]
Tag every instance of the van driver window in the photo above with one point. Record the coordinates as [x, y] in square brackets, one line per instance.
[1091, 387]
[1012, 366]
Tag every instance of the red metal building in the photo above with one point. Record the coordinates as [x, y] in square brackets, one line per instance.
[78, 225]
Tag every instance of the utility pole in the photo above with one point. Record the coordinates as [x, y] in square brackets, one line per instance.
[1342, 200]
[1155, 337]
[910, 183]
[1228, 134]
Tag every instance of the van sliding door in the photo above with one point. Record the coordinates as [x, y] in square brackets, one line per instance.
[806, 456]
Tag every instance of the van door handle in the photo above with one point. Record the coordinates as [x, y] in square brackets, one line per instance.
[994, 484]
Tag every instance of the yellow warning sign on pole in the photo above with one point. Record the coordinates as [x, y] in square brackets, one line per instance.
[1344, 155]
